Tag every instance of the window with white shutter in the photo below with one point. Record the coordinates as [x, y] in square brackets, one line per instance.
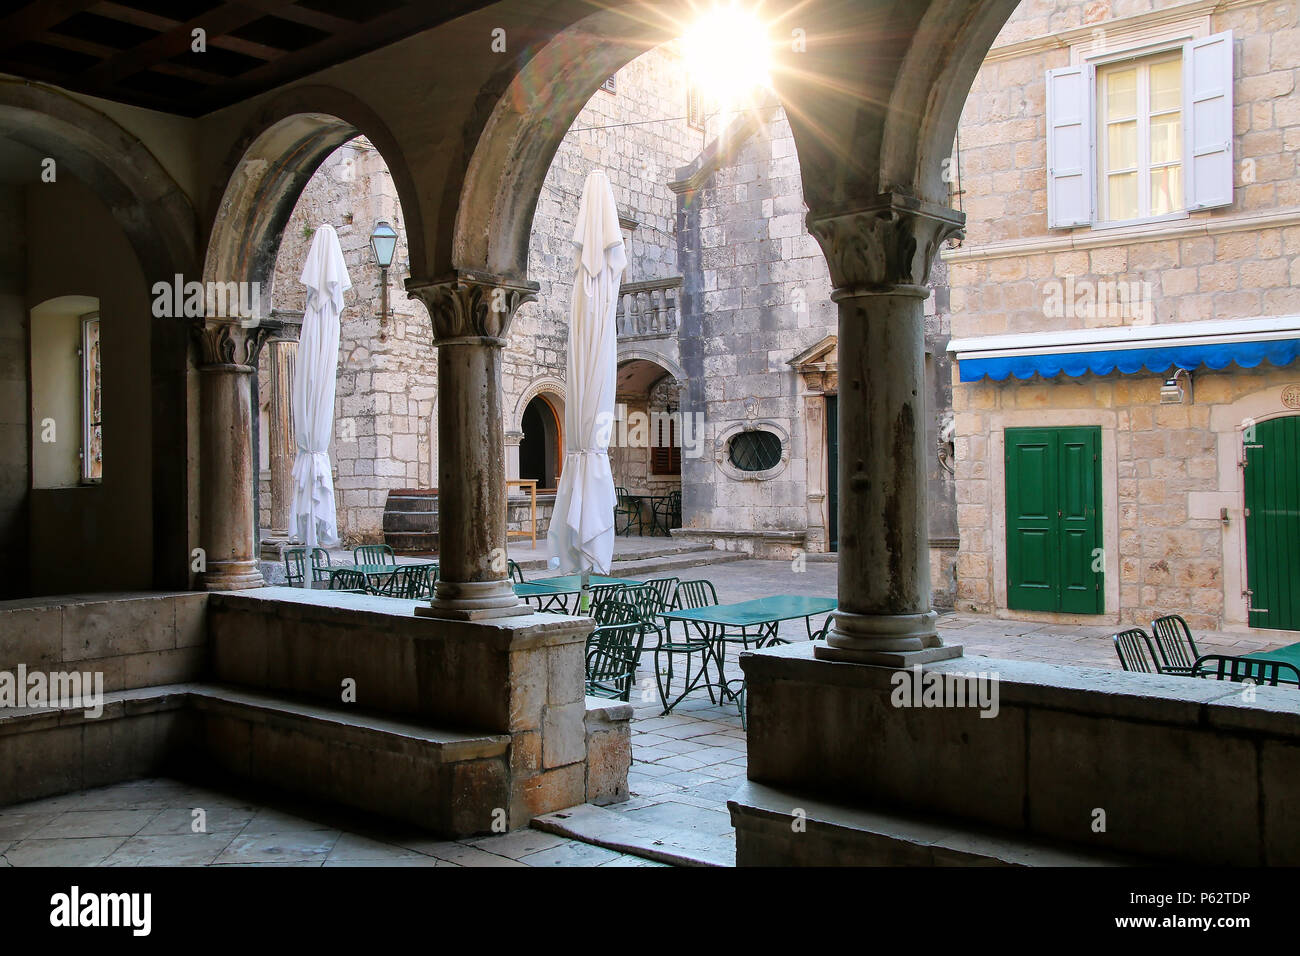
[1069, 147]
[1137, 138]
[1208, 72]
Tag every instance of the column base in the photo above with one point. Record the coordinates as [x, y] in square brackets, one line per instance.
[232, 576]
[885, 640]
[271, 545]
[474, 601]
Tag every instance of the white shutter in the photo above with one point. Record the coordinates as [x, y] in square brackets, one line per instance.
[1207, 73]
[1069, 146]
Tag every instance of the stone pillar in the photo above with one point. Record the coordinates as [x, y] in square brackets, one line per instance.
[513, 440]
[284, 445]
[471, 315]
[879, 258]
[228, 462]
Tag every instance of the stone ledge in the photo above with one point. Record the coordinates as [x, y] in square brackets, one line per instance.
[337, 607]
[834, 835]
[1093, 691]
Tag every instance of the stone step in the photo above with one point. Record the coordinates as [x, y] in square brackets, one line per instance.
[774, 824]
[637, 564]
[670, 564]
[619, 830]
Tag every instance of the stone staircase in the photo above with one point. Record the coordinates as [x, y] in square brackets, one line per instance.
[668, 558]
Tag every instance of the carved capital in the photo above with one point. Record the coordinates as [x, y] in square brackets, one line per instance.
[231, 345]
[886, 247]
[471, 306]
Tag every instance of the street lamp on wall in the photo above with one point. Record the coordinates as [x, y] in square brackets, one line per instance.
[383, 243]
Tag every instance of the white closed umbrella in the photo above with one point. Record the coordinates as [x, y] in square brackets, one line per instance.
[312, 517]
[581, 534]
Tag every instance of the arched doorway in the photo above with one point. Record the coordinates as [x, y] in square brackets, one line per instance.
[541, 451]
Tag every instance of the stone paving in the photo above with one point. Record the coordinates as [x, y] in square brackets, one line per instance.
[148, 823]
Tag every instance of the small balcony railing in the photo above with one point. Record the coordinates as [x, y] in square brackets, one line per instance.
[649, 308]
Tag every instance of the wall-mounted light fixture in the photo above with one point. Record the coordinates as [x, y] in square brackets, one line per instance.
[383, 243]
[1177, 389]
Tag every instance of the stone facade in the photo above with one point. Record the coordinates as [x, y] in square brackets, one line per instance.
[1172, 517]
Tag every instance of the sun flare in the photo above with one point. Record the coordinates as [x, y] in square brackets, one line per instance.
[727, 54]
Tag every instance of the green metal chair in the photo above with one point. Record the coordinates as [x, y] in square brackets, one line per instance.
[613, 609]
[668, 511]
[295, 566]
[410, 582]
[345, 579]
[1242, 669]
[627, 508]
[612, 654]
[516, 572]
[1173, 642]
[320, 565]
[1134, 650]
[373, 554]
[645, 598]
[696, 640]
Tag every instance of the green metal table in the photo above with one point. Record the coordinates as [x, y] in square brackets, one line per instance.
[711, 624]
[552, 594]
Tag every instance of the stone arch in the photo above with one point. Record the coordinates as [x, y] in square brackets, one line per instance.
[270, 164]
[146, 202]
[635, 353]
[849, 149]
[161, 226]
[549, 386]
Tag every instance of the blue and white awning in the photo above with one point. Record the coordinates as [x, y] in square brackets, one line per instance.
[1129, 349]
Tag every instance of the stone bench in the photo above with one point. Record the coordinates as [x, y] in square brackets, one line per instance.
[444, 781]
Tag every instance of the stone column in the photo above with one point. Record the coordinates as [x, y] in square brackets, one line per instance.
[228, 462]
[513, 440]
[471, 315]
[284, 445]
[879, 257]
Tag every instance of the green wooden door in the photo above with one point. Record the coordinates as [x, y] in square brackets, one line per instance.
[1053, 520]
[1273, 524]
[833, 471]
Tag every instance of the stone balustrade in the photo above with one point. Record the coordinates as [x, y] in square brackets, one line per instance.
[649, 309]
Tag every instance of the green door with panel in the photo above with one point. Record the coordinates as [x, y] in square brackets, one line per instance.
[1053, 480]
[1272, 485]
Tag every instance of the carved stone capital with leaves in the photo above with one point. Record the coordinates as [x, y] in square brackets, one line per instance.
[886, 247]
[472, 307]
[232, 345]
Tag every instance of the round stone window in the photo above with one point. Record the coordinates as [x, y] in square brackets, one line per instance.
[755, 450]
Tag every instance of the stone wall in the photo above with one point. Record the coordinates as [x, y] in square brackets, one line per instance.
[14, 403]
[1166, 470]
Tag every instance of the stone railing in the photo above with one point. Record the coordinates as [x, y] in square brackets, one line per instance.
[649, 308]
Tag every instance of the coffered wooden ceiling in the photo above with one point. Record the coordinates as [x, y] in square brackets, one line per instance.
[140, 51]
